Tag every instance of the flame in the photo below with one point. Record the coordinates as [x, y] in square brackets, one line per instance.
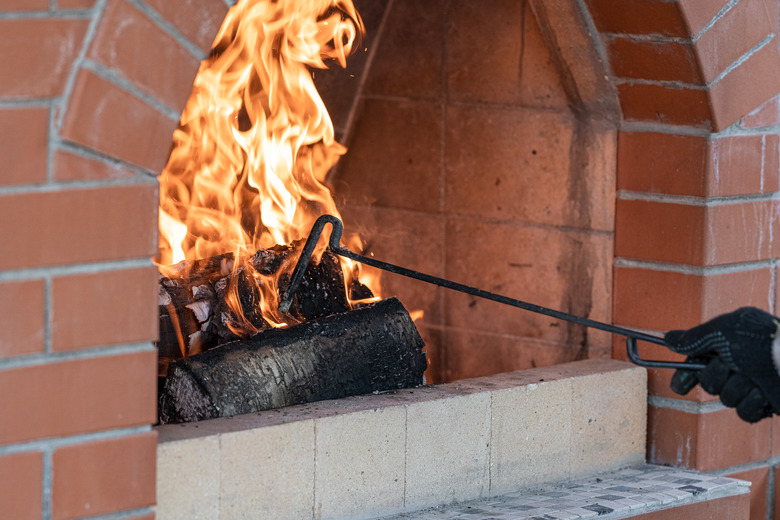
[255, 141]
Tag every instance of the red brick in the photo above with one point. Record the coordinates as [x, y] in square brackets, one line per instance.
[406, 175]
[662, 163]
[477, 354]
[40, 52]
[398, 69]
[24, 5]
[659, 380]
[734, 507]
[566, 270]
[520, 69]
[775, 435]
[413, 240]
[108, 308]
[108, 119]
[487, 151]
[75, 4]
[694, 235]
[743, 89]
[653, 60]
[21, 485]
[728, 291]
[22, 305]
[638, 17]
[78, 226]
[738, 233]
[759, 490]
[662, 232]
[124, 40]
[765, 115]
[734, 34]
[744, 165]
[104, 476]
[72, 167]
[662, 300]
[672, 106]
[25, 134]
[705, 441]
[776, 501]
[79, 396]
[197, 20]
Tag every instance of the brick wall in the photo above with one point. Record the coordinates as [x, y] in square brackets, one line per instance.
[89, 96]
[697, 202]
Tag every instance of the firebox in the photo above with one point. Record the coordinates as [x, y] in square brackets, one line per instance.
[614, 160]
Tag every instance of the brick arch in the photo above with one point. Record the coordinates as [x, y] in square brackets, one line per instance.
[690, 63]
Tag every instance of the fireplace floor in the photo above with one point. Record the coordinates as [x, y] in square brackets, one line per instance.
[647, 491]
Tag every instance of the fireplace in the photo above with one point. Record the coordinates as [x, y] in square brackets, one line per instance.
[631, 178]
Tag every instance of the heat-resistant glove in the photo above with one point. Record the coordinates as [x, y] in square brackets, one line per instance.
[737, 351]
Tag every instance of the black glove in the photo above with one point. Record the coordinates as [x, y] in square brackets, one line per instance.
[737, 351]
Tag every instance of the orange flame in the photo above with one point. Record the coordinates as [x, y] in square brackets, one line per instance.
[255, 141]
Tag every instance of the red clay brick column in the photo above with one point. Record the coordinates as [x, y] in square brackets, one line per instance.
[697, 206]
[89, 95]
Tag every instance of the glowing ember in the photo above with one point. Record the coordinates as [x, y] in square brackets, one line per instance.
[255, 141]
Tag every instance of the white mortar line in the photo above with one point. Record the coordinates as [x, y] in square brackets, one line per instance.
[669, 84]
[62, 14]
[138, 180]
[75, 355]
[746, 467]
[169, 29]
[685, 406]
[77, 149]
[34, 273]
[689, 200]
[648, 38]
[120, 81]
[57, 442]
[125, 515]
[663, 128]
[29, 103]
[692, 269]
[46, 485]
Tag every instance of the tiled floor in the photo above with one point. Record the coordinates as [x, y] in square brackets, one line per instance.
[621, 494]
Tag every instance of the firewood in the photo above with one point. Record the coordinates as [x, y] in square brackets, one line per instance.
[195, 317]
[373, 348]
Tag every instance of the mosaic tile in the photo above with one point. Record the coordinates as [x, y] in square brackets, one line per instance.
[625, 492]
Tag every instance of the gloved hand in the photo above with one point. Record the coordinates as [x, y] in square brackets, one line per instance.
[737, 351]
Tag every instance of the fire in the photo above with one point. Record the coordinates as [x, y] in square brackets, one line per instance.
[255, 141]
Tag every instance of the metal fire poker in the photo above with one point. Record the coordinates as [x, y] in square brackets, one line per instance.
[632, 336]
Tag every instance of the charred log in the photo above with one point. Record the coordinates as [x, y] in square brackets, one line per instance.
[374, 348]
[194, 313]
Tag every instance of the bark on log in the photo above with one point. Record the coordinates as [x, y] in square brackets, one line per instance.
[194, 314]
[374, 348]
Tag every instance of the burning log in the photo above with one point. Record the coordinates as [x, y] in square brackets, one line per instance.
[194, 313]
[373, 348]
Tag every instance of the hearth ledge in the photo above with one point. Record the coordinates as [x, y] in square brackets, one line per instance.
[375, 455]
